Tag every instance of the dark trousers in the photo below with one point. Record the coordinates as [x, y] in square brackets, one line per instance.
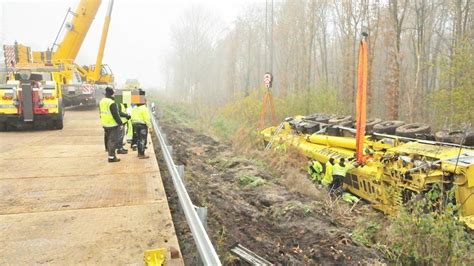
[140, 136]
[122, 135]
[337, 181]
[111, 138]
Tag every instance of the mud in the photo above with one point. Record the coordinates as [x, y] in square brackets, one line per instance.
[277, 223]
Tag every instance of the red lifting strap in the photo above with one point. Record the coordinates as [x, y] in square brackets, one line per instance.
[361, 104]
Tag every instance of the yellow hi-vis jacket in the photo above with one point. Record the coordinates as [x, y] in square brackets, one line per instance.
[341, 170]
[327, 179]
[105, 115]
[315, 170]
[122, 109]
[140, 115]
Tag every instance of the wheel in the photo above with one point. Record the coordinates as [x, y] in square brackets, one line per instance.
[311, 127]
[3, 126]
[413, 130]
[457, 137]
[369, 124]
[332, 131]
[299, 127]
[388, 127]
[58, 124]
[320, 118]
[340, 120]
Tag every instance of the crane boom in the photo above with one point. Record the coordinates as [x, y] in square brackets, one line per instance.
[82, 19]
[103, 39]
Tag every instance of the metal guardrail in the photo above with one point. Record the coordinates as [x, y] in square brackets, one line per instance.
[205, 248]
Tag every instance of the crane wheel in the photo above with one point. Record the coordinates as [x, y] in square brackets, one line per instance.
[321, 118]
[369, 124]
[388, 127]
[456, 137]
[413, 130]
[311, 127]
[341, 120]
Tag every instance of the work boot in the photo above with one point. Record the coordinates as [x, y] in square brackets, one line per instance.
[114, 160]
[122, 151]
[140, 156]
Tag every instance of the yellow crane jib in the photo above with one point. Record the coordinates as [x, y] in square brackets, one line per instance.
[76, 31]
[103, 40]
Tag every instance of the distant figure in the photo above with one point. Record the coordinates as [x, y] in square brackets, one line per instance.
[315, 170]
[129, 125]
[124, 117]
[112, 124]
[327, 179]
[141, 123]
[339, 171]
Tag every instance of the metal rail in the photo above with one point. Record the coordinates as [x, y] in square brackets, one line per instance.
[205, 248]
[247, 255]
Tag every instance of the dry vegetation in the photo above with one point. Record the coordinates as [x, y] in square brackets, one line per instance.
[240, 154]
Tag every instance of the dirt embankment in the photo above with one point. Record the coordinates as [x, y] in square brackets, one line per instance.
[249, 205]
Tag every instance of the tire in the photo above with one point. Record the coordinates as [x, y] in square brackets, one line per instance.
[299, 127]
[340, 120]
[311, 127]
[58, 124]
[443, 136]
[332, 131]
[413, 130]
[320, 118]
[388, 127]
[456, 137]
[293, 123]
[3, 126]
[369, 124]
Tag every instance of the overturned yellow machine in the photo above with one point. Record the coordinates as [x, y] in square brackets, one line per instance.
[396, 168]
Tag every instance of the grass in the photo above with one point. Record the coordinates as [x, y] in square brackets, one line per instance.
[250, 181]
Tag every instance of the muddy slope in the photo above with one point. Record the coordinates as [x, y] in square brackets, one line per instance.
[283, 227]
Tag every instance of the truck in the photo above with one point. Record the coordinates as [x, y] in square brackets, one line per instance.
[31, 96]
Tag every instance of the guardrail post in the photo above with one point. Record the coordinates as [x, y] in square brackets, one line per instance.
[202, 213]
[180, 169]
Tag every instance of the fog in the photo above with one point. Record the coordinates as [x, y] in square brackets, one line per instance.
[139, 34]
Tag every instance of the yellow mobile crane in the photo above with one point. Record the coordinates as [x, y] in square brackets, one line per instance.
[39, 83]
[79, 82]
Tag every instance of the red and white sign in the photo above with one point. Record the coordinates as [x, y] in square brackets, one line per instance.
[267, 79]
[10, 58]
[87, 88]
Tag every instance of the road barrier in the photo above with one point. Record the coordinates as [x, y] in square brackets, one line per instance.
[204, 246]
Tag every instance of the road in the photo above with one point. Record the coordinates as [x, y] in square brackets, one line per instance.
[61, 202]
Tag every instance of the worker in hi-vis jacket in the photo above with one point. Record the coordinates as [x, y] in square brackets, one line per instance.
[141, 124]
[112, 124]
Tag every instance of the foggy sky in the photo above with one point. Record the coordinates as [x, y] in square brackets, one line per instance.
[139, 33]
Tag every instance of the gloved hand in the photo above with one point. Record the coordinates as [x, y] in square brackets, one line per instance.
[128, 117]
